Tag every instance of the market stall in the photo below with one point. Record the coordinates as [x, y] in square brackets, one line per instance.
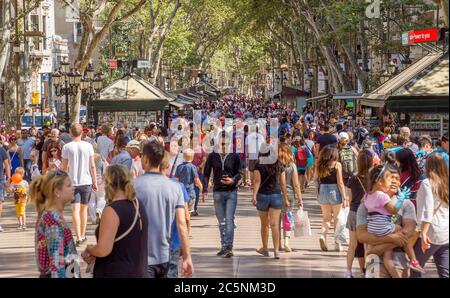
[425, 100]
[372, 104]
[133, 100]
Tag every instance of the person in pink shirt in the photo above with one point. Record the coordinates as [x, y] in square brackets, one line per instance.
[382, 208]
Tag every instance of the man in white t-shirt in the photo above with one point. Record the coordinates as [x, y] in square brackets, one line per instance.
[78, 162]
[105, 145]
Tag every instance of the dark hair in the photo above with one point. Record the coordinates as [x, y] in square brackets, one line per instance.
[121, 142]
[326, 127]
[154, 151]
[339, 127]
[377, 172]
[152, 126]
[364, 163]
[408, 163]
[401, 140]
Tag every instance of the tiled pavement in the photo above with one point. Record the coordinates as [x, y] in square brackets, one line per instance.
[306, 260]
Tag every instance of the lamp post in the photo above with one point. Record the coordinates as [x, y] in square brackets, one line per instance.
[91, 84]
[66, 83]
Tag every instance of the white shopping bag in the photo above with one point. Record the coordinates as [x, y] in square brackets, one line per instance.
[342, 234]
[92, 207]
[302, 224]
[36, 173]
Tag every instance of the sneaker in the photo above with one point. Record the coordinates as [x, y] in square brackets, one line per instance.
[194, 213]
[263, 252]
[24, 227]
[338, 247]
[414, 265]
[1, 229]
[221, 252]
[276, 255]
[323, 243]
[287, 248]
[228, 254]
[349, 275]
[19, 227]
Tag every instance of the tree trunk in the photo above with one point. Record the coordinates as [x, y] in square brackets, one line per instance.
[360, 74]
[162, 38]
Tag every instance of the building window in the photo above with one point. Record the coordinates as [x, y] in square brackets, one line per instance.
[78, 32]
[44, 30]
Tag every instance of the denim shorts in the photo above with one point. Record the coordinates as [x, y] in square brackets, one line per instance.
[329, 194]
[82, 194]
[265, 202]
[2, 189]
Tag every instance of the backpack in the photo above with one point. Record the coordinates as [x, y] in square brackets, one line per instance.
[347, 158]
[301, 159]
[361, 135]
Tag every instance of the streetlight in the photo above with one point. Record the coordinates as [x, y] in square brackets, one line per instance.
[66, 82]
[91, 84]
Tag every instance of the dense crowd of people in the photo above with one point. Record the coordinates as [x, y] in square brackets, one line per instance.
[143, 186]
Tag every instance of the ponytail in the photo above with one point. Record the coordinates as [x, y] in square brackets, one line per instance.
[42, 189]
[36, 194]
[118, 177]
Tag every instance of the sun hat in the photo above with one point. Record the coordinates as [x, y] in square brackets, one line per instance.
[134, 144]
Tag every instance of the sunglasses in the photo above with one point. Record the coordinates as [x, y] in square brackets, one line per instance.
[54, 150]
[57, 172]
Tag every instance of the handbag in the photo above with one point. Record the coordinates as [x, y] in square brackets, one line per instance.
[288, 221]
[302, 224]
[90, 267]
[342, 234]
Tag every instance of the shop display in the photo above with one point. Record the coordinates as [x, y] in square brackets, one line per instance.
[432, 124]
[139, 119]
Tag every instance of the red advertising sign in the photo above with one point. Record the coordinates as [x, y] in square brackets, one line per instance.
[112, 63]
[427, 35]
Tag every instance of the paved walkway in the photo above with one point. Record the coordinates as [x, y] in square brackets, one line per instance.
[306, 260]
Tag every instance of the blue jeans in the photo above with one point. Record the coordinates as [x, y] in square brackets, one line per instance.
[197, 193]
[28, 165]
[225, 205]
[172, 272]
[440, 256]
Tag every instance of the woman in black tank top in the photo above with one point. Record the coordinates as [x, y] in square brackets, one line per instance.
[121, 249]
[331, 191]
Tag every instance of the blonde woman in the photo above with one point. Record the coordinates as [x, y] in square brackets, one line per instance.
[293, 190]
[51, 193]
[331, 191]
[121, 249]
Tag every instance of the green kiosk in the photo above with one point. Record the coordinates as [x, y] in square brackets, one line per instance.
[133, 100]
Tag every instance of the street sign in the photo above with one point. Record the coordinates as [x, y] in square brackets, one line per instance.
[143, 64]
[112, 63]
[35, 98]
[418, 36]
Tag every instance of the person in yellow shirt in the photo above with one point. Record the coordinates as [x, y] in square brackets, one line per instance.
[19, 188]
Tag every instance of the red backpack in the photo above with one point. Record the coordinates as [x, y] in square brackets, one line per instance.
[302, 157]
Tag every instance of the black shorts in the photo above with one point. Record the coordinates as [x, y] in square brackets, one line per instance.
[82, 194]
[301, 172]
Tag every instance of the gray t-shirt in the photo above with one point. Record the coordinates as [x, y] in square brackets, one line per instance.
[3, 156]
[407, 211]
[160, 196]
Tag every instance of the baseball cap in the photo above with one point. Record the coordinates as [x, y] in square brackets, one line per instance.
[134, 144]
[85, 129]
[344, 135]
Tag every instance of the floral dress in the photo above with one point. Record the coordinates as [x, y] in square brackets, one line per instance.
[56, 253]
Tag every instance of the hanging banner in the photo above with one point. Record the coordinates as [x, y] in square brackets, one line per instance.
[418, 36]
